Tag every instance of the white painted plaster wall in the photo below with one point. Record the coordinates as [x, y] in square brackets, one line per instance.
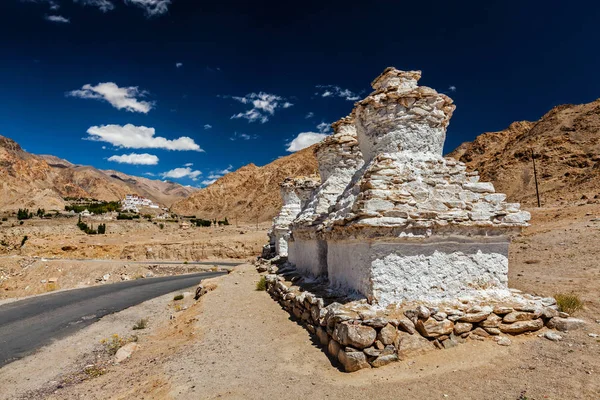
[309, 256]
[388, 272]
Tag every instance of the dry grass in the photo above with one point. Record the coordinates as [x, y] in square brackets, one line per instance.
[115, 342]
[568, 302]
[141, 324]
[261, 285]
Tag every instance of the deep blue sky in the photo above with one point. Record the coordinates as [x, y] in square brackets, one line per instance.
[507, 60]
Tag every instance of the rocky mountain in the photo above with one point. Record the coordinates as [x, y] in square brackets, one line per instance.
[33, 181]
[249, 194]
[566, 145]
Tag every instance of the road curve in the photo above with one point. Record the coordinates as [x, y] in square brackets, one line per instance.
[29, 324]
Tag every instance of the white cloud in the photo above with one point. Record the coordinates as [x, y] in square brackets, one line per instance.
[125, 97]
[304, 140]
[135, 159]
[57, 18]
[139, 137]
[214, 175]
[102, 5]
[152, 7]
[149, 174]
[242, 136]
[52, 4]
[452, 88]
[332, 90]
[178, 65]
[324, 127]
[207, 126]
[188, 164]
[179, 173]
[310, 115]
[263, 106]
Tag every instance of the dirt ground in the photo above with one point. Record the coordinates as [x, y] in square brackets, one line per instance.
[238, 343]
[129, 240]
[57, 255]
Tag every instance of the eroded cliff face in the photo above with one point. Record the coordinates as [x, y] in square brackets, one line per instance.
[566, 145]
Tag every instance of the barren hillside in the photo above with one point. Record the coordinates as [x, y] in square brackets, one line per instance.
[566, 144]
[250, 193]
[33, 181]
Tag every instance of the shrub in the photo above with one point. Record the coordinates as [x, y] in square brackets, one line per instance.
[568, 302]
[161, 226]
[24, 240]
[141, 324]
[24, 214]
[4, 219]
[178, 297]
[101, 229]
[20, 222]
[115, 342]
[93, 371]
[261, 285]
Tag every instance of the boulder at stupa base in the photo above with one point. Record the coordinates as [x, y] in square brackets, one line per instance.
[339, 157]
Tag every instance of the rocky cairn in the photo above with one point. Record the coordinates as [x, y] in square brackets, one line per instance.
[399, 250]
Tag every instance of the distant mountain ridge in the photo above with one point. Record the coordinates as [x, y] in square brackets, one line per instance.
[32, 181]
[250, 193]
[566, 144]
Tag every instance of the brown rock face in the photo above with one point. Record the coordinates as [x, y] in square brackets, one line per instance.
[566, 146]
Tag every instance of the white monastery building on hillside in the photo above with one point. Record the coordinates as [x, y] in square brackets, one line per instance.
[132, 202]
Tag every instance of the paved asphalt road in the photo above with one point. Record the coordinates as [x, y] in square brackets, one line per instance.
[29, 324]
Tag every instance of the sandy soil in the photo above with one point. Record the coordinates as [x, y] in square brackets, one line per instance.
[54, 246]
[238, 343]
[134, 240]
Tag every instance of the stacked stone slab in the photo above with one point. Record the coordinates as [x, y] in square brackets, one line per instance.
[295, 193]
[339, 158]
[414, 225]
[360, 335]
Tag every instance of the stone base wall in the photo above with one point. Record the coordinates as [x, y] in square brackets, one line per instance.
[359, 335]
[388, 271]
[309, 256]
